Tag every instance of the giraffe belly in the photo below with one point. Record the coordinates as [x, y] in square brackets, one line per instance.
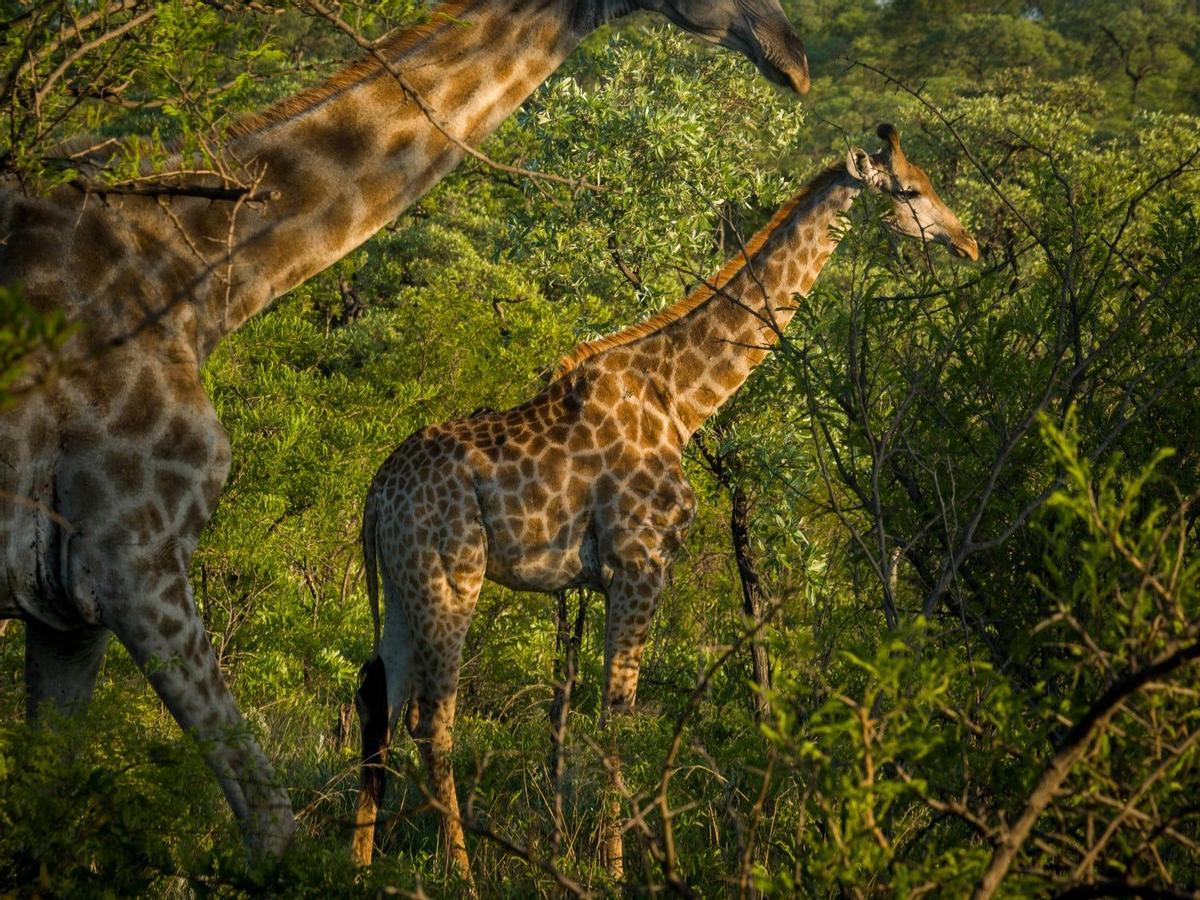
[526, 561]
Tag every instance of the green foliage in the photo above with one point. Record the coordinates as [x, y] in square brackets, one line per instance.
[82, 803]
[673, 147]
[25, 331]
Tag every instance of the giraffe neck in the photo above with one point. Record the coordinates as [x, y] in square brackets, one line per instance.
[708, 353]
[347, 158]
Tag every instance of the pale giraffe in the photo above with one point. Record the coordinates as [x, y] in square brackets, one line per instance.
[583, 484]
[109, 471]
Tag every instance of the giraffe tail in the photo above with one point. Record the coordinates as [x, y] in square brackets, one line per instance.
[371, 703]
[370, 561]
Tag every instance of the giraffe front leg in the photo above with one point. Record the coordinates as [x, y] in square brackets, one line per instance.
[438, 634]
[166, 638]
[61, 667]
[632, 597]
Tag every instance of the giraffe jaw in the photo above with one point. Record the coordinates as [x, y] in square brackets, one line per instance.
[757, 29]
[787, 66]
[775, 49]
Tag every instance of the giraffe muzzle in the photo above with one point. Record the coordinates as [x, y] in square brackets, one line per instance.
[776, 50]
[965, 247]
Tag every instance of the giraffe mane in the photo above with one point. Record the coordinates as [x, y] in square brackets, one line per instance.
[677, 310]
[349, 76]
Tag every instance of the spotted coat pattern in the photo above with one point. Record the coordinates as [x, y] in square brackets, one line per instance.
[580, 486]
[112, 459]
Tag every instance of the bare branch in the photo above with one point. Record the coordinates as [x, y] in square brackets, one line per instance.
[1072, 747]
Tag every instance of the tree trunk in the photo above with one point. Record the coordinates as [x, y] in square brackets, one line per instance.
[567, 642]
[752, 601]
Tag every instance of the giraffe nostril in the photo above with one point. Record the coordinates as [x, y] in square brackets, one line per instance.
[966, 247]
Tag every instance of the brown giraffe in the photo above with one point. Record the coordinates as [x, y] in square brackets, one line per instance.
[109, 471]
[583, 484]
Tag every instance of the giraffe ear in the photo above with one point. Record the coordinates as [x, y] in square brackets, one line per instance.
[861, 167]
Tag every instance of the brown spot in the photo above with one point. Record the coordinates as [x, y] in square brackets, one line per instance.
[194, 519]
[553, 465]
[124, 470]
[613, 455]
[504, 66]
[606, 486]
[727, 375]
[589, 463]
[181, 442]
[400, 142]
[641, 483]
[509, 476]
[86, 491]
[177, 593]
[145, 522]
[96, 248]
[688, 368]
[459, 95]
[169, 627]
[171, 488]
[141, 406]
[572, 404]
[579, 440]
[652, 429]
[577, 491]
[344, 139]
[80, 438]
[607, 432]
[337, 222]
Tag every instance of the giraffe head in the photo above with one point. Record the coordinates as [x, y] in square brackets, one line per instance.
[917, 210]
[758, 29]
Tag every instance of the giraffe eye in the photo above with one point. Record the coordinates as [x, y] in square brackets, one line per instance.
[908, 193]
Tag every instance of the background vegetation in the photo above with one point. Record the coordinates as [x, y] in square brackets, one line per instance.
[954, 511]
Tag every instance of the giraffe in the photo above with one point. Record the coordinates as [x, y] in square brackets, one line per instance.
[583, 484]
[113, 458]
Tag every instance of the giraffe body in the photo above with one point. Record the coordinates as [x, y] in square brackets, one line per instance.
[583, 485]
[113, 458]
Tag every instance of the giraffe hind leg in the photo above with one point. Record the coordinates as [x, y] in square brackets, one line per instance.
[439, 633]
[432, 732]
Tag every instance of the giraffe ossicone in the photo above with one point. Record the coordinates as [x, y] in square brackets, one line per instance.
[583, 484]
[110, 470]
